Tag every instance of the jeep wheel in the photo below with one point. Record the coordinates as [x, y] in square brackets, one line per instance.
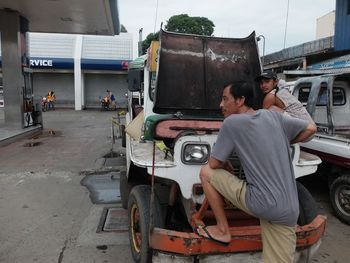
[124, 189]
[139, 222]
[307, 206]
[340, 197]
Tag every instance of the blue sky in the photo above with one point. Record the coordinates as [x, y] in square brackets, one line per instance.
[232, 18]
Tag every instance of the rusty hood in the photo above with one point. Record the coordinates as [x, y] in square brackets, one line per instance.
[192, 71]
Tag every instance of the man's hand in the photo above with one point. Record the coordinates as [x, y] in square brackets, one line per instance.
[228, 167]
[216, 164]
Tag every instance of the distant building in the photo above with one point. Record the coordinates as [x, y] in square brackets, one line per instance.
[79, 68]
[325, 25]
[342, 25]
[327, 54]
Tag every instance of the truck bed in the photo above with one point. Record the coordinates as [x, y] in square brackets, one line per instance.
[345, 134]
[331, 148]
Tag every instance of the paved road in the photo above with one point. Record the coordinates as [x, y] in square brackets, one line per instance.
[335, 245]
[2, 115]
[47, 216]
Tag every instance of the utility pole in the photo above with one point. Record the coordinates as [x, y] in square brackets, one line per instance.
[140, 42]
[258, 38]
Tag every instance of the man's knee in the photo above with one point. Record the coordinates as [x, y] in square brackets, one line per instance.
[205, 173]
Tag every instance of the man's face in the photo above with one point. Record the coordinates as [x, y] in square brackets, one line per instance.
[229, 105]
[266, 85]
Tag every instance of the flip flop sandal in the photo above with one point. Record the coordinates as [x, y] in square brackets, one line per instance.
[209, 237]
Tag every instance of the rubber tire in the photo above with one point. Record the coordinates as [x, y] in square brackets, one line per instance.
[141, 197]
[124, 189]
[307, 206]
[341, 181]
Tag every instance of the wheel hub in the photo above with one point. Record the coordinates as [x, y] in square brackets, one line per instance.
[343, 200]
[135, 228]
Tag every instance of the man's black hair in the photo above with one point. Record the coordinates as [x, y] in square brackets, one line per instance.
[239, 89]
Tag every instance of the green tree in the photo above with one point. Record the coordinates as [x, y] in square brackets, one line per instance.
[123, 29]
[183, 24]
[147, 42]
[190, 25]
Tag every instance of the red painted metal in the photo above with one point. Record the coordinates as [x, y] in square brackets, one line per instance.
[235, 216]
[244, 239]
[172, 128]
[341, 161]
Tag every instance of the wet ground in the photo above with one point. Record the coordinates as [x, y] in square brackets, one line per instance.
[46, 214]
[103, 188]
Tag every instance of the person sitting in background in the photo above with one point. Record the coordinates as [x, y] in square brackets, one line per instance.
[105, 102]
[51, 97]
[112, 99]
[280, 99]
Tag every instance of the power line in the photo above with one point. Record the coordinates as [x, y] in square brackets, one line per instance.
[155, 21]
[285, 29]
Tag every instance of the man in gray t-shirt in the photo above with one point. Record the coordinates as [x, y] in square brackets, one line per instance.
[261, 140]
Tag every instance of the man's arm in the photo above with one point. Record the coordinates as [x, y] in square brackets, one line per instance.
[217, 164]
[271, 100]
[305, 134]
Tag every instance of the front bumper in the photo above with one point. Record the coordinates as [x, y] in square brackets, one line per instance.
[245, 239]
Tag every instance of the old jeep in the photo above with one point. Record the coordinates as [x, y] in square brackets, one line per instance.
[172, 121]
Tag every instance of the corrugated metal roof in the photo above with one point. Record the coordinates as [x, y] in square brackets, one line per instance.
[339, 64]
[50, 45]
[302, 50]
[105, 47]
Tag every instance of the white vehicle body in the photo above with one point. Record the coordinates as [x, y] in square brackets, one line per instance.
[173, 173]
[327, 98]
[138, 152]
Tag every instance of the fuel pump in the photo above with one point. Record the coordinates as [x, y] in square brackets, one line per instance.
[31, 108]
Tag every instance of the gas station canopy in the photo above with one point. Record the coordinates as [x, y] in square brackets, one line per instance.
[99, 17]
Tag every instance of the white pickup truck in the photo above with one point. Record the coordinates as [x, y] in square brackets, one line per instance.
[327, 99]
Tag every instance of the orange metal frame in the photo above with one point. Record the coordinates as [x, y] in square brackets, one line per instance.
[172, 128]
[244, 238]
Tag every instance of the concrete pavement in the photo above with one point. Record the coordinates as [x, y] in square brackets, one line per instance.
[9, 134]
[46, 215]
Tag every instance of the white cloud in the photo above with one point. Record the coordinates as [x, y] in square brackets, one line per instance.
[232, 18]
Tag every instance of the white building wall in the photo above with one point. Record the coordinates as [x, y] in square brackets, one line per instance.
[325, 25]
[108, 47]
[75, 87]
[93, 47]
[51, 45]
